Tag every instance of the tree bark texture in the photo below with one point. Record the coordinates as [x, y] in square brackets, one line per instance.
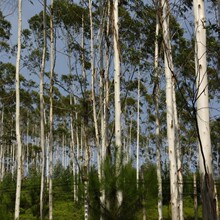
[202, 114]
[18, 132]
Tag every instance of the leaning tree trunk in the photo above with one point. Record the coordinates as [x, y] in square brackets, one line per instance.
[18, 133]
[202, 114]
[52, 64]
[168, 65]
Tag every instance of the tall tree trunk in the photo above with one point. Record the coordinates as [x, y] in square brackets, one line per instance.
[156, 103]
[102, 104]
[27, 146]
[106, 85]
[202, 114]
[138, 131]
[77, 155]
[52, 64]
[218, 22]
[18, 132]
[117, 97]
[195, 197]
[73, 156]
[42, 138]
[93, 86]
[168, 63]
[179, 157]
[85, 171]
[117, 83]
[1, 145]
[216, 199]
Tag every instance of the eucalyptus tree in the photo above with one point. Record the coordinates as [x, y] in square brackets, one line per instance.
[202, 113]
[42, 121]
[157, 116]
[169, 71]
[117, 91]
[52, 65]
[18, 134]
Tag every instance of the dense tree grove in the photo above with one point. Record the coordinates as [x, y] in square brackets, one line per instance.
[110, 110]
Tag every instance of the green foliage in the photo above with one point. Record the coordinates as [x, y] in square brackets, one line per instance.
[125, 182]
[7, 197]
[5, 33]
[30, 196]
[63, 179]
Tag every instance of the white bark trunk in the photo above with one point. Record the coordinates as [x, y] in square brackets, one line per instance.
[156, 95]
[52, 59]
[27, 147]
[195, 197]
[205, 153]
[42, 138]
[18, 133]
[106, 86]
[117, 84]
[83, 56]
[77, 156]
[86, 169]
[73, 157]
[178, 155]
[86, 205]
[1, 146]
[170, 113]
[93, 87]
[138, 131]
[117, 97]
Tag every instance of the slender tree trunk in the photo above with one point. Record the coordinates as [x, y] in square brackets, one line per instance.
[117, 83]
[144, 210]
[218, 22]
[195, 197]
[156, 102]
[27, 146]
[18, 132]
[170, 112]
[42, 138]
[93, 87]
[138, 131]
[216, 199]
[1, 145]
[178, 154]
[130, 136]
[106, 85]
[85, 173]
[179, 160]
[3, 163]
[102, 104]
[77, 156]
[202, 114]
[117, 97]
[52, 64]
